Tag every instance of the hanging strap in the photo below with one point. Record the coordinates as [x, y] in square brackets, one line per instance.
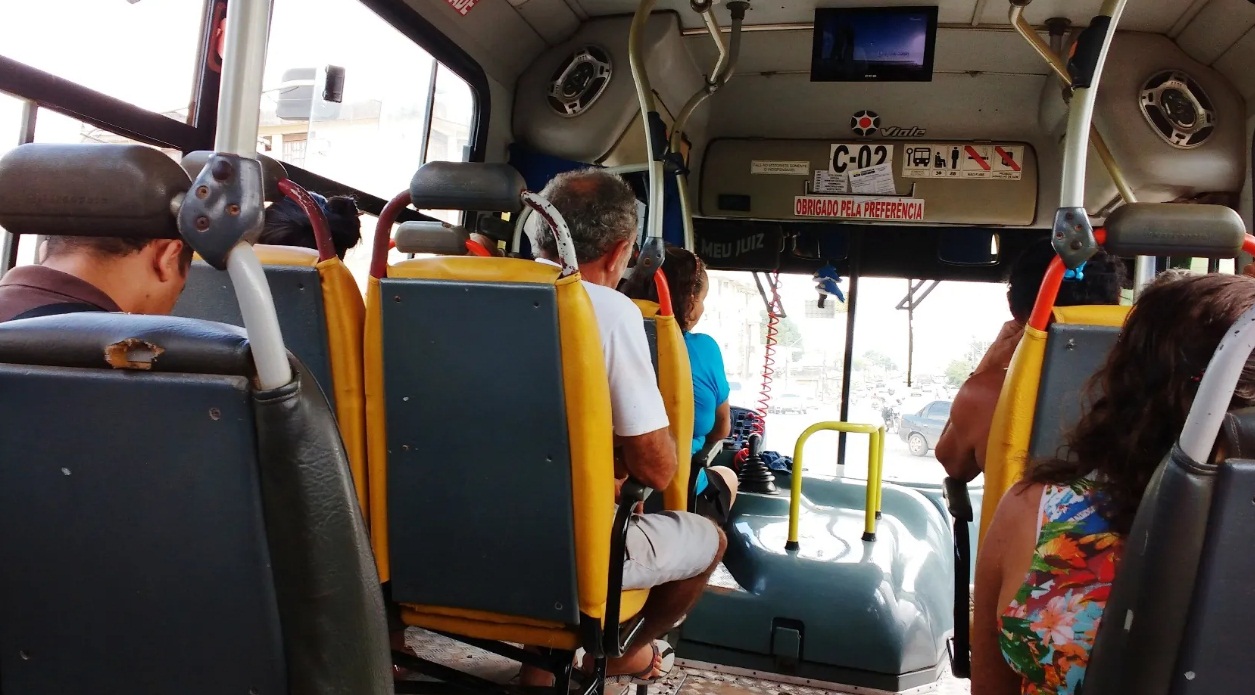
[960, 646]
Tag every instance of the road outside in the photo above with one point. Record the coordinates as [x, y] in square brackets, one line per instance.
[820, 457]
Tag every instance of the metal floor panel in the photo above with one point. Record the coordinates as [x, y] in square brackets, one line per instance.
[688, 678]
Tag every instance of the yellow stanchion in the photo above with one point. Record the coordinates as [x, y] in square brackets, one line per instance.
[875, 464]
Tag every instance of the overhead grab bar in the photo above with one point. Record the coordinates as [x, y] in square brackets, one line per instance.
[1073, 235]
[725, 65]
[1060, 69]
[1145, 268]
[649, 114]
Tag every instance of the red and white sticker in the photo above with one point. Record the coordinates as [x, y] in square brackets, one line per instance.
[462, 6]
[956, 160]
[844, 207]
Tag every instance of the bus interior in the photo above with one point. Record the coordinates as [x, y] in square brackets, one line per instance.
[857, 175]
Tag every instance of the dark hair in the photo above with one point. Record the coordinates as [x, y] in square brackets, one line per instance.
[1103, 277]
[1145, 389]
[599, 207]
[686, 275]
[288, 225]
[109, 247]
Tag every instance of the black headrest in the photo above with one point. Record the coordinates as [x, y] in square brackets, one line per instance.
[272, 171]
[98, 340]
[1237, 434]
[1173, 229]
[90, 190]
[467, 186]
[431, 237]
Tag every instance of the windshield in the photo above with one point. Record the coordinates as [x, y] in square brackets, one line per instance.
[952, 326]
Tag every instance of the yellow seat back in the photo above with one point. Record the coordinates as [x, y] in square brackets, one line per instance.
[321, 315]
[1043, 393]
[467, 518]
[675, 381]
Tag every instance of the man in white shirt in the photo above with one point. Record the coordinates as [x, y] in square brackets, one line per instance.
[671, 553]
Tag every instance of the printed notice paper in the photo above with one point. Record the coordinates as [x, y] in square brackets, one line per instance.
[874, 180]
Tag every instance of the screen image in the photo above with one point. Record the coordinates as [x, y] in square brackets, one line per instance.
[873, 44]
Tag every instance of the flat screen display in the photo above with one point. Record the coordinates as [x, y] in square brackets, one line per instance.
[873, 44]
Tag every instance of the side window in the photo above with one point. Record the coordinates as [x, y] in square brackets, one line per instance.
[143, 53]
[399, 108]
[941, 410]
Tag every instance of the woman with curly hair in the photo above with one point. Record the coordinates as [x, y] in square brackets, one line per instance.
[1045, 570]
[714, 487]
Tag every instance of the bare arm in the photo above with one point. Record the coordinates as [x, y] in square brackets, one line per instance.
[961, 447]
[1010, 535]
[723, 424]
[650, 457]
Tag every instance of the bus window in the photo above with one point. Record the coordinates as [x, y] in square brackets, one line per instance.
[143, 53]
[381, 130]
[953, 326]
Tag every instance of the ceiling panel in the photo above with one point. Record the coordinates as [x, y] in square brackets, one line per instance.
[1141, 15]
[1156, 16]
[1236, 63]
[958, 50]
[777, 11]
[1216, 28]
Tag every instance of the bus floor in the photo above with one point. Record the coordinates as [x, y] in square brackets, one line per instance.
[687, 678]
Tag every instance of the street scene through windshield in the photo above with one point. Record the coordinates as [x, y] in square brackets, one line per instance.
[902, 381]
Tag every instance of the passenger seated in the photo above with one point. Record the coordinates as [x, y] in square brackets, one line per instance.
[1046, 568]
[961, 447]
[137, 276]
[288, 225]
[714, 487]
[671, 553]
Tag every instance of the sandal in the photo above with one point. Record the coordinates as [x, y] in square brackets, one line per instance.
[665, 656]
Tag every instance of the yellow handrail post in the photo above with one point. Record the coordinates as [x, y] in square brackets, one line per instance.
[875, 461]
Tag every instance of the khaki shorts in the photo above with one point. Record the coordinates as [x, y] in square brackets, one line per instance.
[667, 547]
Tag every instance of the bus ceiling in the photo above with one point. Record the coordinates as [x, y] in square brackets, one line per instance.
[961, 130]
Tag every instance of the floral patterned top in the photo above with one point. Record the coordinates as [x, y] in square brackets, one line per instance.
[1048, 630]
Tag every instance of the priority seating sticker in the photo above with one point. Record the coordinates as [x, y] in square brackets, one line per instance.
[888, 209]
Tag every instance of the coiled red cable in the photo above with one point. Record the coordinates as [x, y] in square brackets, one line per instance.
[759, 425]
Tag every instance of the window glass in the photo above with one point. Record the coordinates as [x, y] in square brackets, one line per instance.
[141, 52]
[952, 328]
[376, 137]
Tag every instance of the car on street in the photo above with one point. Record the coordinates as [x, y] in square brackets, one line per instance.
[790, 403]
[922, 429]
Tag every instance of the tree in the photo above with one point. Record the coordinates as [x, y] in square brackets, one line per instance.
[787, 334]
[876, 358]
[957, 372]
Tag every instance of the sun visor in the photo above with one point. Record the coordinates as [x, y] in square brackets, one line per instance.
[739, 246]
[901, 181]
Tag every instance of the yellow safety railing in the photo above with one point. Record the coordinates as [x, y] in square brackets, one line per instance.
[875, 465]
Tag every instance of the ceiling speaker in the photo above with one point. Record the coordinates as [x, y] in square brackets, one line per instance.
[579, 81]
[1178, 109]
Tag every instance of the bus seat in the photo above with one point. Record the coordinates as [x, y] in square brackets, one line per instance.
[165, 526]
[1182, 597]
[1043, 393]
[321, 314]
[675, 381]
[458, 464]
[515, 463]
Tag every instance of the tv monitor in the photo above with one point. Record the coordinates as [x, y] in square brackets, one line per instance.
[873, 44]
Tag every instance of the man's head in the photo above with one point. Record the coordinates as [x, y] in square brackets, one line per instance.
[1099, 282]
[144, 276]
[600, 209]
